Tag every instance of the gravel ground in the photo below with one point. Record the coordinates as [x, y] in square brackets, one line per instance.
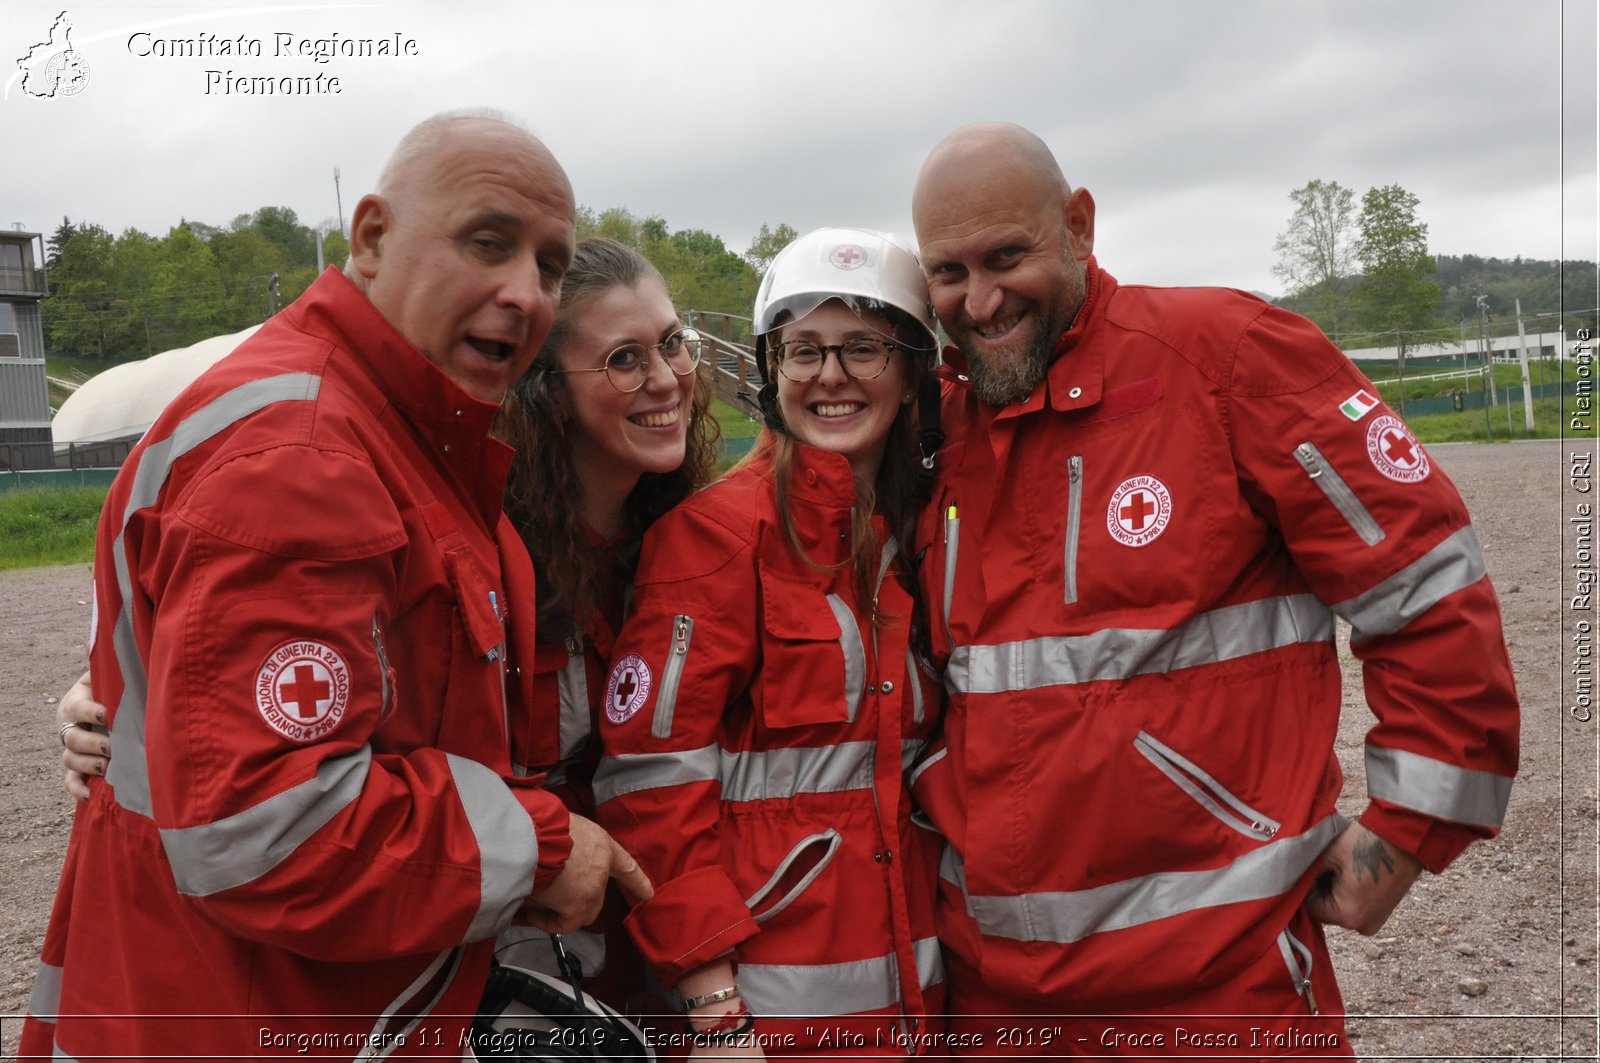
[1495, 959]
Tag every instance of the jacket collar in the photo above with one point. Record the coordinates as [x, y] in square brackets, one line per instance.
[821, 477]
[450, 422]
[1070, 383]
[1078, 381]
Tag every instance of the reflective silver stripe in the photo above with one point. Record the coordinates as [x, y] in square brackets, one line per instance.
[1434, 788]
[45, 1003]
[630, 773]
[1326, 477]
[1074, 523]
[776, 774]
[822, 989]
[384, 1041]
[925, 765]
[128, 772]
[953, 869]
[1451, 566]
[930, 961]
[855, 654]
[1120, 653]
[910, 750]
[952, 549]
[572, 685]
[746, 775]
[1069, 916]
[671, 676]
[508, 851]
[212, 857]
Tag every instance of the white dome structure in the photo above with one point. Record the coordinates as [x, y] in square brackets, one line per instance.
[124, 401]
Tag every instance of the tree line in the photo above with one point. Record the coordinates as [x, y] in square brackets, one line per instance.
[1366, 277]
[133, 295]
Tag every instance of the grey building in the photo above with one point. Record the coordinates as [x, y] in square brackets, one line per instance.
[24, 398]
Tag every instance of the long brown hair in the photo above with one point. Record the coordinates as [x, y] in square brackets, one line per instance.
[894, 491]
[543, 493]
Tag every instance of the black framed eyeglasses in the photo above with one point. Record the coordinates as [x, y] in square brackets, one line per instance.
[864, 358]
[628, 366]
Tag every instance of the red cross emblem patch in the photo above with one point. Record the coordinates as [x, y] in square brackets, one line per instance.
[302, 690]
[1140, 509]
[1395, 451]
[848, 256]
[627, 688]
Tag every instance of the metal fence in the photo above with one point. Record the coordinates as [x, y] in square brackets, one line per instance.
[43, 457]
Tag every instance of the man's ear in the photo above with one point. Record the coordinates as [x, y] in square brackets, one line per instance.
[1078, 217]
[372, 221]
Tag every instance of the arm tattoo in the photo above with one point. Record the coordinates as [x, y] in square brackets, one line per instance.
[1371, 854]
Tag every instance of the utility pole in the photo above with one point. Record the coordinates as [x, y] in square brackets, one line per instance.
[1483, 340]
[1527, 383]
[339, 202]
[1400, 364]
[1488, 355]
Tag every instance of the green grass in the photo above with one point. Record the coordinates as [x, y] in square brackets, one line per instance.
[71, 367]
[1550, 373]
[1550, 415]
[736, 424]
[48, 526]
[1550, 421]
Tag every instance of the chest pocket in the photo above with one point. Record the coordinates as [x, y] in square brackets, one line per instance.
[813, 661]
[477, 605]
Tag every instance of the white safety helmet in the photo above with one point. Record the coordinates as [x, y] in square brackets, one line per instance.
[850, 265]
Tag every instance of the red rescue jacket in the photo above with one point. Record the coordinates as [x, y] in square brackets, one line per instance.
[306, 600]
[1135, 574]
[757, 730]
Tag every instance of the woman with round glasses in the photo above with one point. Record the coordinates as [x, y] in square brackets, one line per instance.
[765, 694]
[611, 427]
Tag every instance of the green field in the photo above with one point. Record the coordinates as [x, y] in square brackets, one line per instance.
[48, 526]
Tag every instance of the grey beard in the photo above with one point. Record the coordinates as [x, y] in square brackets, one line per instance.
[1016, 381]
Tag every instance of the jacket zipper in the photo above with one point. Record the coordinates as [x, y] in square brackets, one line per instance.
[1074, 521]
[572, 683]
[952, 547]
[682, 632]
[498, 656]
[1206, 791]
[1325, 476]
[383, 666]
[1298, 959]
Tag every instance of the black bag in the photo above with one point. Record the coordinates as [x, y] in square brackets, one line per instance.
[531, 1017]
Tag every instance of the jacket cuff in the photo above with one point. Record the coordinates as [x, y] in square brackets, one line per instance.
[691, 920]
[552, 829]
[1434, 842]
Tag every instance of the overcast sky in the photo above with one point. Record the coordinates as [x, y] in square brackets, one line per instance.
[1189, 120]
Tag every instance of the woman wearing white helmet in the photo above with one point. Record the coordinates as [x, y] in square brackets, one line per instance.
[765, 693]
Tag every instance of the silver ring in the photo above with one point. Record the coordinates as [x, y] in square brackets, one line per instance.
[63, 735]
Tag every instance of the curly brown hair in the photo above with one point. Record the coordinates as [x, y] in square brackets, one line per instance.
[544, 495]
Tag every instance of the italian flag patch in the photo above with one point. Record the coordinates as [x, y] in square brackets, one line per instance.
[1357, 405]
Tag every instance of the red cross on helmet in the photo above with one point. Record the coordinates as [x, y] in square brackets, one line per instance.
[866, 270]
[858, 267]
